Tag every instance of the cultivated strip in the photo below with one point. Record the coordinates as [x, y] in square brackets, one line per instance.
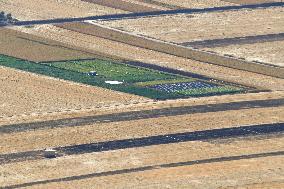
[234, 132]
[123, 5]
[149, 168]
[147, 14]
[162, 4]
[136, 115]
[236, 40]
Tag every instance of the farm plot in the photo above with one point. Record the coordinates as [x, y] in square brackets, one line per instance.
[267, 52]
[182, 28]
[118, 76]
[130, 5]
[30, 47]
[250, 1]
[84, 38]
[24, 94]
[188, 4]
[194, 88]
[48, 9]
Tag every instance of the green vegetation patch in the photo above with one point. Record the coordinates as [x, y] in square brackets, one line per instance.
[210, 91]
[114, 71]
[159, 82]
[135, 80]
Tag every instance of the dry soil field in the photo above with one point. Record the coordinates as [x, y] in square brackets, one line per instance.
[48, 9]
[28, 47]
[103, 132]
[268, 52]
[24, 93]
[191, 4]
[109, 139]
[127, 5]
[96, 44]
[251, 1]
[182, 28]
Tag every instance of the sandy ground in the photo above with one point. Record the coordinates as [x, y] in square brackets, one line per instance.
[216, 175]
[147, 4]
[23, 92]
[133, 106]
[268, 52]
[241, 172]
[195, 3]
[95, 44]
[252, 1]
[127, 5]
[197, 27]
[101, 132]
[28, 47]
[47, 9]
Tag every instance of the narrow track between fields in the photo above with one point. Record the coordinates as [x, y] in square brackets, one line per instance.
[147, 14]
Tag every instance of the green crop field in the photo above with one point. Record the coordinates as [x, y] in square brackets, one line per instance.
[115, 71]
[210, 91]
[134, 80]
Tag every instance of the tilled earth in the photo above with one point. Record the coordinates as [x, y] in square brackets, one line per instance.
[25, 93]
[213, 25]
[108, 139]
[95, 44]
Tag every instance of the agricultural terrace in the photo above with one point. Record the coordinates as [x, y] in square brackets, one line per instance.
[209, 26]
[125, 78]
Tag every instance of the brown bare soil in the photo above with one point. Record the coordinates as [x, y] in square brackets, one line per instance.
[191, 4]
[248, 161]
[133, 106]
[251, 1]
[28, 47]
[198, 27]
[216, 175]
[268, 52]
[25, 93]
[162, 4]
[124, 5]
[48, 9]
[102, 132]
[266, 185]
[92, 43]
[150, 3]
[211, 175]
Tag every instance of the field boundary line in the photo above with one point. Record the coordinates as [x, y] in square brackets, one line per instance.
[77, 110]
[149, 168]
[170, 103]
[148, 14]
[203, 135]
[139, 115]
[113, 34]
[212, 43]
